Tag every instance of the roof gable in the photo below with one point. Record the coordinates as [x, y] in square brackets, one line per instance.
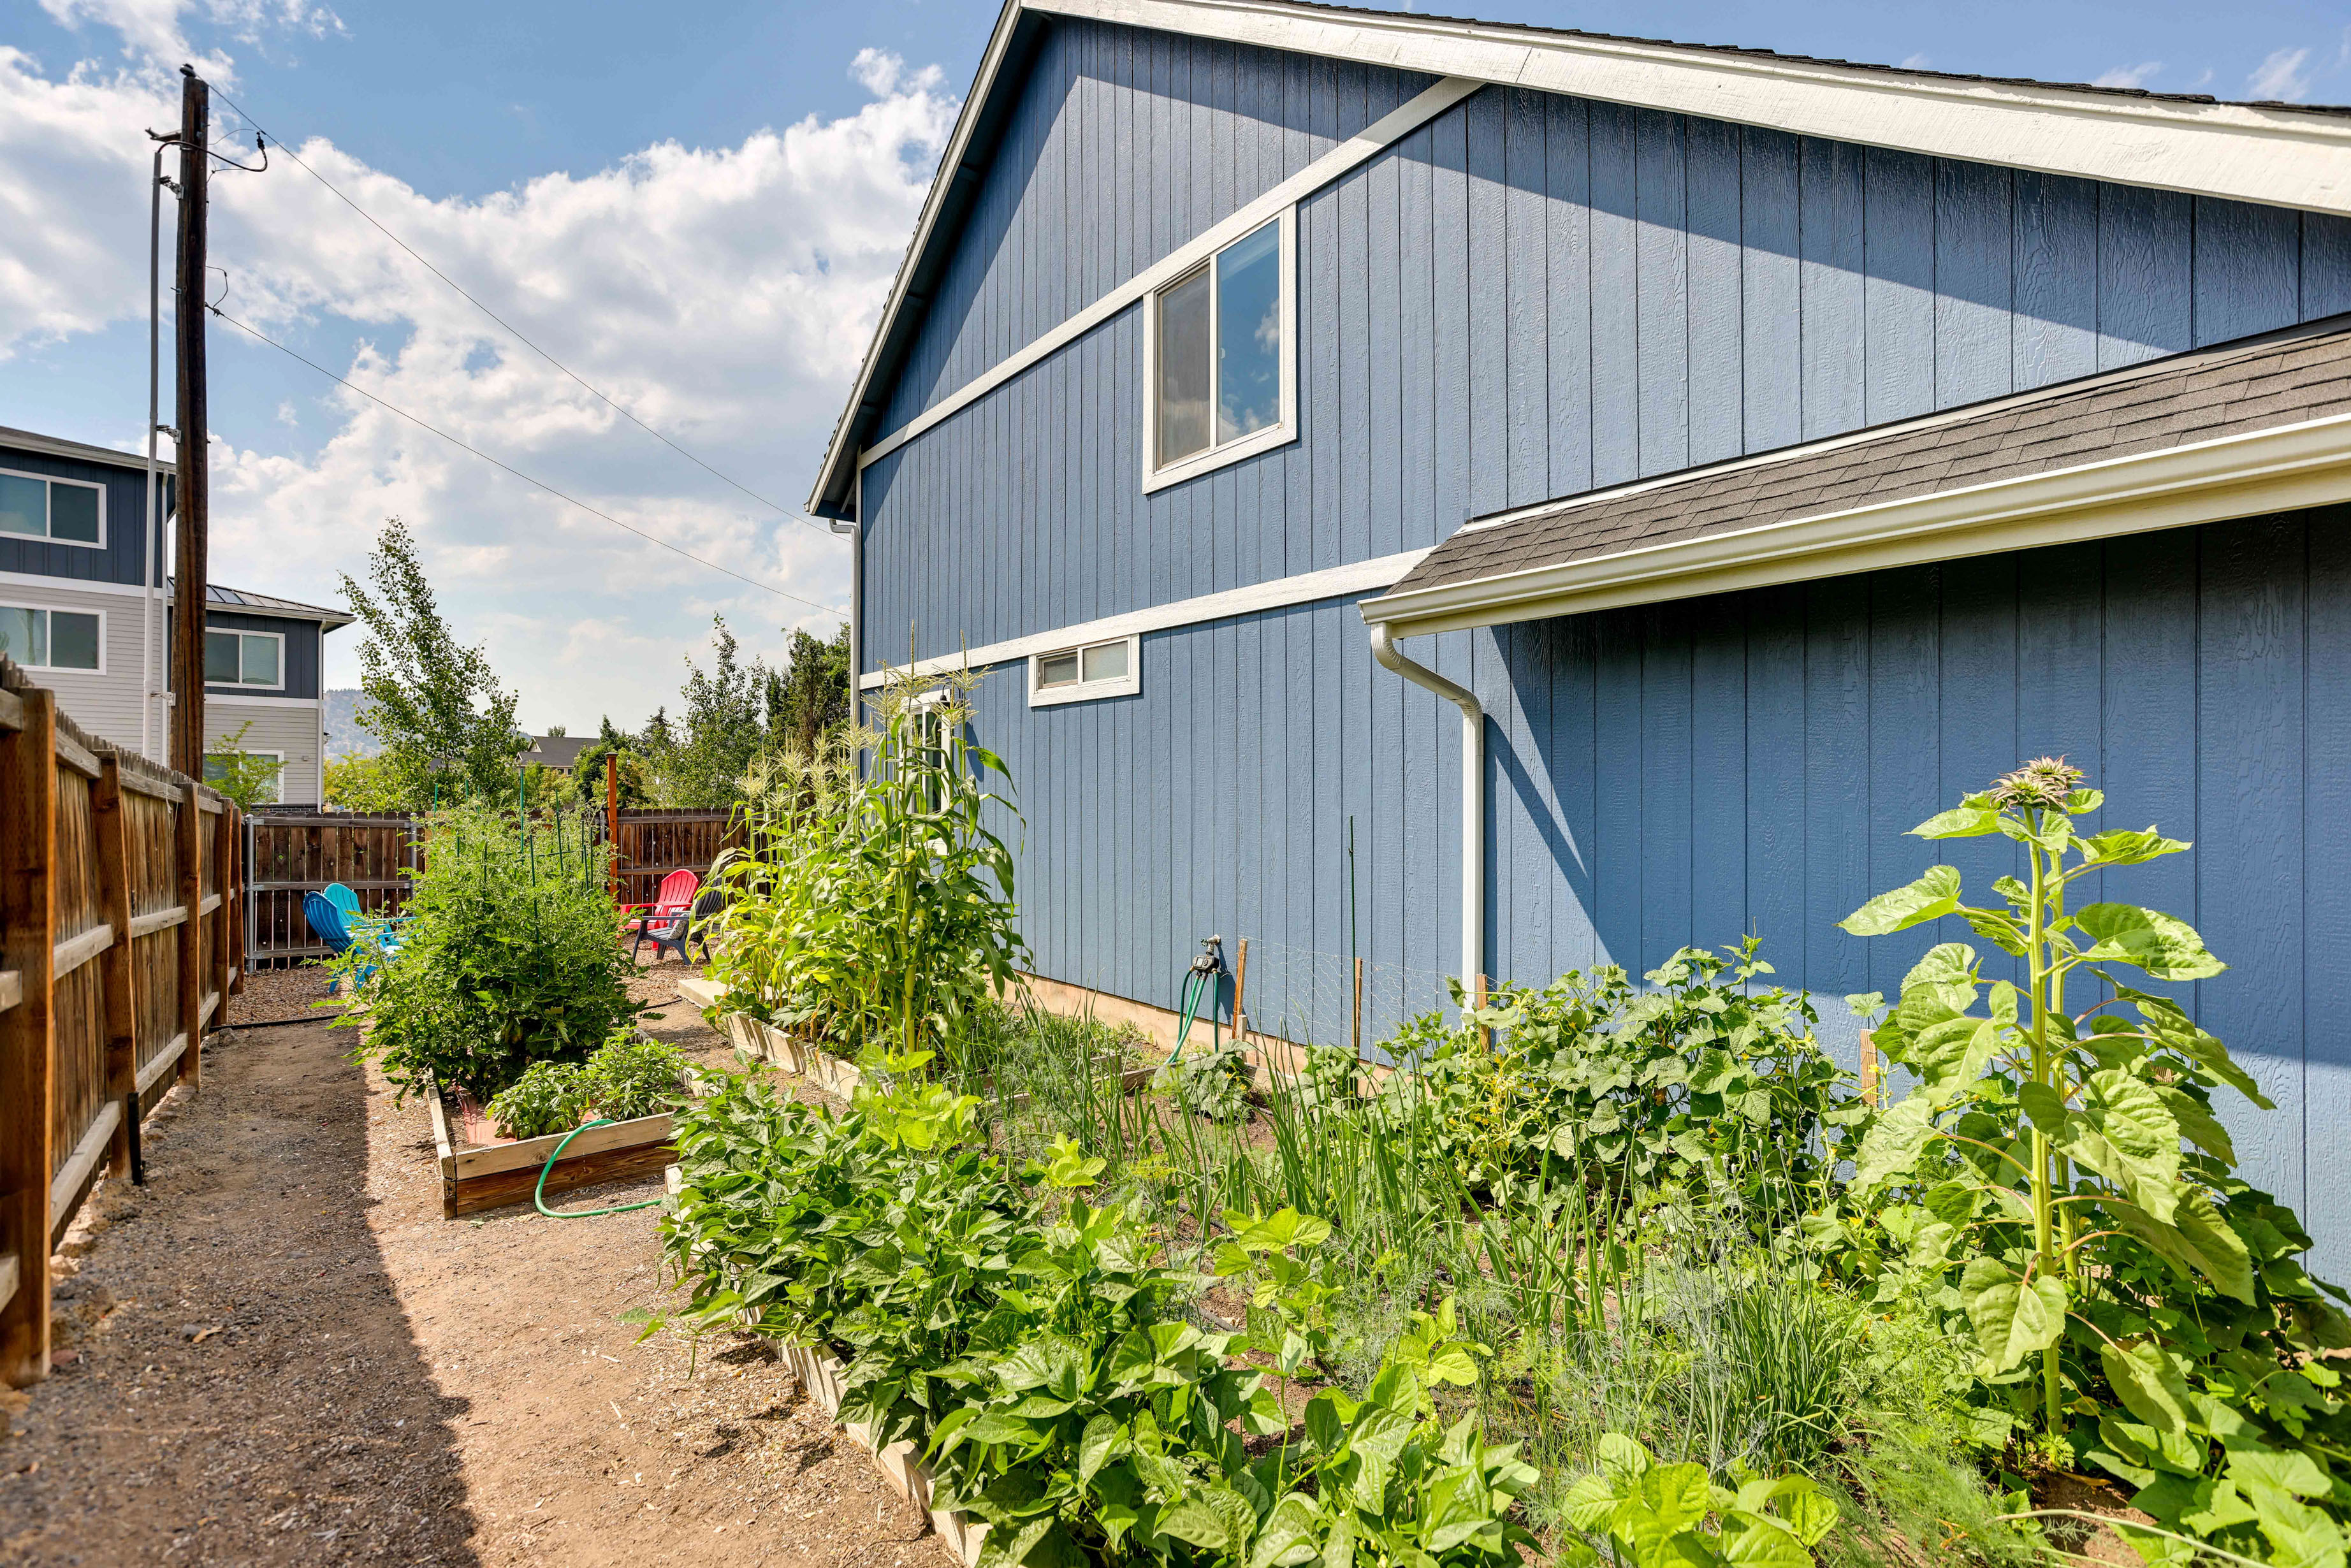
[2275, 154]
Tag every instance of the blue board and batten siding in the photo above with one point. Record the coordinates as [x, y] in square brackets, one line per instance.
[1535, 295]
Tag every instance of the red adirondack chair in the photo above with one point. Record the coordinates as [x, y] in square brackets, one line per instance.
[671, 904]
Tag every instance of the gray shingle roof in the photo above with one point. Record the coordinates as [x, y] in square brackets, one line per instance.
[2281, 379]
[267, 604]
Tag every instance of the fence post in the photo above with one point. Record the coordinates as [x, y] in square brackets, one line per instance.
[28, 908]
[224, 848]
[613, 818]
[111, 818]
[188, 837]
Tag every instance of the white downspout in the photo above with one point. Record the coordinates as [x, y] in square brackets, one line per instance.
[1473, 794]
[147, 550]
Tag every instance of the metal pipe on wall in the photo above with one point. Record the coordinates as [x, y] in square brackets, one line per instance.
[1473, 794]
[149, 546]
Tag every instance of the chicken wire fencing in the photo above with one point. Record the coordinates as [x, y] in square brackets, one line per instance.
[1310, 997]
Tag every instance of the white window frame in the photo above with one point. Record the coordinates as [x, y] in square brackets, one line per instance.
[50, 538]
[1279, 434]
[1082, 690]
[276, 780]
[241, 684]
[60, 610]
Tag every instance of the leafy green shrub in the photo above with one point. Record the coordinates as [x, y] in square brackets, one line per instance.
[550, 1097]
[1657, 1515]
[1704, 1082]
[1214, 1083]
[630, 1077]
[507, 958]
[2056, 1183]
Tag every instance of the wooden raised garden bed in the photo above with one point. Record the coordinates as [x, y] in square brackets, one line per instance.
[480, 1170]
[806, 1059]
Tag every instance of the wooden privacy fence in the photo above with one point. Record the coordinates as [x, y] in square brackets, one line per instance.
[292, 853]
[118, 946]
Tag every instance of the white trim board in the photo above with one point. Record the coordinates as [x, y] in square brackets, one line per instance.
[67, 584]
[1381, 134]
[2283, 469]
[2280, 157]
[1358, 577]
[238, 699]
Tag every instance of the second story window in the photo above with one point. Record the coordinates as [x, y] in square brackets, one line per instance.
[42, 639]
[245, 659]
[1222, 358]
[62, 511]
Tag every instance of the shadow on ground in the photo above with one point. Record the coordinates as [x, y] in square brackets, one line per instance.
[237, 1382]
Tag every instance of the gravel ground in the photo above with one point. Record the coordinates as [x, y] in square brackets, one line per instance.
[277, 1353]
[272, 994]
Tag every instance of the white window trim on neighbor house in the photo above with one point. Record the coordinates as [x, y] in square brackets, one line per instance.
[49, 535]
[54, 609]
[241, 683]
[276, 781]
[1126, 685]
[1156, 476]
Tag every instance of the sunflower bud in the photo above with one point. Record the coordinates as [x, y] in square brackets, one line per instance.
[2044, 782]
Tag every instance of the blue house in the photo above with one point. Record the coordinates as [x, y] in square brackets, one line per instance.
[1623, 485]
[85, 607]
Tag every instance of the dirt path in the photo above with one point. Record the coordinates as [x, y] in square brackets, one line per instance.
[278, 1352]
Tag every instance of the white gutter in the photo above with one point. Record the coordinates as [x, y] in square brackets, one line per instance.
[1473, 795]
[147, 541]
[855, 529]
[2286, 468]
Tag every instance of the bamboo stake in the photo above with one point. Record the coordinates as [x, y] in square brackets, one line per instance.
[1240, 993]
[1355, 1031]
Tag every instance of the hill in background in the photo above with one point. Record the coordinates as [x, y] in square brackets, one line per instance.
[345, 736]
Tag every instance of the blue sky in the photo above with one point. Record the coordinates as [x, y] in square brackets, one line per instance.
[698, 208]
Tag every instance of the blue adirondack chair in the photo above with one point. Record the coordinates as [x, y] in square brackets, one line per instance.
[327, 923]
[361, 922]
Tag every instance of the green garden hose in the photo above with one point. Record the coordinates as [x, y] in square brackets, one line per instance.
[539, 1193]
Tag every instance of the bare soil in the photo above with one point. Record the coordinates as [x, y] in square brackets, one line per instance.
[278, 1352]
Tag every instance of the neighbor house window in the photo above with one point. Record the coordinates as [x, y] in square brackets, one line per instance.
[223, 768]
[42, 639]
[1222, 358]
[245, 659]
[64, 511]
[1111, 669]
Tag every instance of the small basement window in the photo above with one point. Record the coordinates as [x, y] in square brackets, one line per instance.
[245, 659]
[62, 511]
[1222, 363]
[1111, 669]
[41, 639]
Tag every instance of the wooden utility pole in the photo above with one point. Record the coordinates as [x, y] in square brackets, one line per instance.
[192, 547]
[613, 818]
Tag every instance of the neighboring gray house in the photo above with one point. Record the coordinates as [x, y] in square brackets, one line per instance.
[1630, 482]
[86, 610]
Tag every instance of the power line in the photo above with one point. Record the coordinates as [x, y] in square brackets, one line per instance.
[520, 334]
[263, 337]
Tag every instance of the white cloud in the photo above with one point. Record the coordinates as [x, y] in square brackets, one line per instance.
[2138, 75]
[1915, 62]
[723, 294]
[2284, 75]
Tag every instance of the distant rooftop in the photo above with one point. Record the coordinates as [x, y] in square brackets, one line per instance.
[557, 751]
[268, 605]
